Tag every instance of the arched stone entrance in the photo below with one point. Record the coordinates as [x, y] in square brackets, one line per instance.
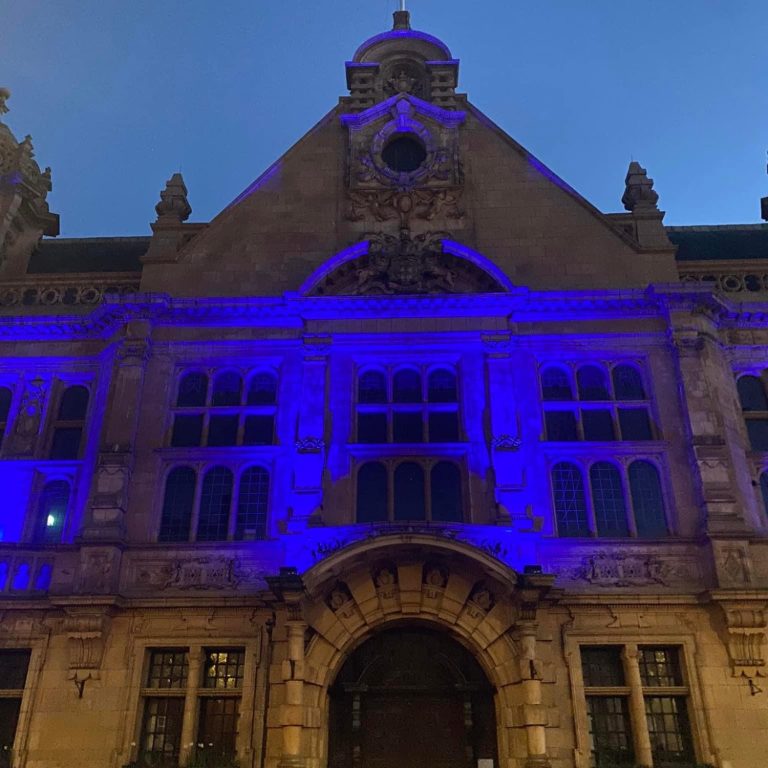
[410, 697]
[397, 580]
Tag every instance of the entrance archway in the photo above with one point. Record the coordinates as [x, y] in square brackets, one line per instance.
[409, 697]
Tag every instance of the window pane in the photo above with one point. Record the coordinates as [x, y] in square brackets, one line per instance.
[371, 427]
[752, 394]
[227, 389]
[372, 493]
[660, 666]
[757, 429]
[161, 729]
[74, 404]
[608, 500]
[602, 666]
[627, 384]
[13, 669]
[561, 426]
[259, 430]
[263, 389]
[187, 431]
[409, 492]
[407, 386]
[593, 383]
[556, 384]
[372, 387]
[669, 729]
[647, 499]
[252, 505]
[65, 445]
[215, 503]
[177, 505]
[217, 729]
[222, 430]
[443, 427]
[168, 668]
[445, 490]
[407, 427]
[441, 386]
[610, 734]
[764, 491]
[635, 424]
[9, 720]
[193, 390]
[5, 403]
[224, 668]
[52, 512]
[598, 425]
[570, 502]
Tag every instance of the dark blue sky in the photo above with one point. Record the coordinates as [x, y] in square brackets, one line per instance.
[118, 95]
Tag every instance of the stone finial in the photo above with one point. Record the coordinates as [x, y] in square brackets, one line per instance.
[5, 94]
[402, 20]
[173, 205]
[639, 193]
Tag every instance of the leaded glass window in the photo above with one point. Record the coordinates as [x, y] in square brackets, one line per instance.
[570, 501]
[215, 505]
[177, 504]
[608, 500]
[647, 500]
[252, 505]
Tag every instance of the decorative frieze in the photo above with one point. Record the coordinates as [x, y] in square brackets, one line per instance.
[85, 291]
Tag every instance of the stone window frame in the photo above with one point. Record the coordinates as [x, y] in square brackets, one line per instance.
[38, 647]
[630, 641]
[59, 385]
[424, 406]
[208, 410]
[201, 467]
[196, 645]
[59, 471]
[760, 373]
[13, 386]
[577, 406]
[584, 461]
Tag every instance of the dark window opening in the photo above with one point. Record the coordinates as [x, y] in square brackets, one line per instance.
[259, 430]
[409, 492]
[635, 424]
[561, 426]
[404, 154]
[556, 384]
[222, 430]
[372, 427]
[227, 389]
[177, 504]
[443, 427]
[252, 505]
[570, 500]
[372, 493]
[193, 390]
[445, 490]
[187, 430]
[215, 504]
[598, 425]
[407, 427]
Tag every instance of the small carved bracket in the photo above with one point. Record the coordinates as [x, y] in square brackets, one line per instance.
[746, 625]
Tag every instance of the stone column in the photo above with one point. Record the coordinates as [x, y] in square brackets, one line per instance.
[534, 714]
[643, 752]
[189, 724]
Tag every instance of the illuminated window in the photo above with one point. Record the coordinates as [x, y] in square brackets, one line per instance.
[608, 409]
[754, 406]
[227, 509]
[421, 490]
[570, 501]
[413, 413]
[14, 665]
[67, 433]
[52, 512]
[232, 412]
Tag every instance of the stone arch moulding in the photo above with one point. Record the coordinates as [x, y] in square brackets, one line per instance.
[334, 277]
[448, 585]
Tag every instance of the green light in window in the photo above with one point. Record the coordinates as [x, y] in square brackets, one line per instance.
[50, 521]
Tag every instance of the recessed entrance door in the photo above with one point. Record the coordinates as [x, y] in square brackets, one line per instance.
[411, 698]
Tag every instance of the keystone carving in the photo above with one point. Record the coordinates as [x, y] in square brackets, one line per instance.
[86, 630]
[746, 625]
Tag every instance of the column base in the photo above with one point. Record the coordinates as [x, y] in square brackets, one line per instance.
[537, 762]
[292, 762]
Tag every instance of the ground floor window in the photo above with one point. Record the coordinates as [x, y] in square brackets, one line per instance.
[14, 665]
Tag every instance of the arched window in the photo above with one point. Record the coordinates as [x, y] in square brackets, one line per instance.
[193, 390]
[215, 505]
[593, 383]
[441, 386]
[647, 500]
[252, 505]
[570, 501]
[177, 504]
[409, 492]
[764, 491]
[445, 492]
[407, 386]
[608, 500]
[227, 389]
[262, 389]
[52, 512]
[372, 387]
[43, 577]
[372, 493]
[5, 406]
[69, 424]
[556, 384]
[752, 394]
[627, 384]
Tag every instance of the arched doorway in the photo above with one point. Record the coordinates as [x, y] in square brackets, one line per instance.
[411, 697]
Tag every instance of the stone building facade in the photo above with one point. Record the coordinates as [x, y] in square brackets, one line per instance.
[411, 455]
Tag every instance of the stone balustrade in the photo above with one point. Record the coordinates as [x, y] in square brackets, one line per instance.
[728, 276]
[73, 290]
[25, 573]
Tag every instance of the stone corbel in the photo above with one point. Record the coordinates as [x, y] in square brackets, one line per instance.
[86, 630]
[746, 624]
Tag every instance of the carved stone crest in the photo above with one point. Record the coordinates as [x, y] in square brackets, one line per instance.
[24, 437]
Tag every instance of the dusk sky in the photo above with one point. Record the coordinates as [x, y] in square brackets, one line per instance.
[118, 95]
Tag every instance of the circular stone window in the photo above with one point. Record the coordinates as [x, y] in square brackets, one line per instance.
[404, 154]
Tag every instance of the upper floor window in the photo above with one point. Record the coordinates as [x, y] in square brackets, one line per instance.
[6, 396]
[211, 506]
[619, 503]
[609, 407]
[409, 490]
[408, 405]
[14, 665]
[754, 406]
[51, 514]
[68, 426]
[223, 409]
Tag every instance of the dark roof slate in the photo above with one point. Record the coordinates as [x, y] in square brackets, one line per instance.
[725, 242]
[88, 254]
